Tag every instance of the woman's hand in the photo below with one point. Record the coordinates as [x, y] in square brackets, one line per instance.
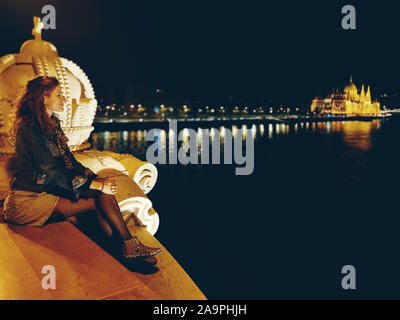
[110, 186]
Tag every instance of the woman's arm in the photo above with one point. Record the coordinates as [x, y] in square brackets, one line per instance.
[97, 182]
[31, 142]
[81, 169]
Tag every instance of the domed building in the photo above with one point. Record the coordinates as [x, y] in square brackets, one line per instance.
[350, 102]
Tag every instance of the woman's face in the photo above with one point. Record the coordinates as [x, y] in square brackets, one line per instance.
[54, 101]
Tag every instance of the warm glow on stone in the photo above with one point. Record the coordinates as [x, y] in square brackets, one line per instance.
[38, 57]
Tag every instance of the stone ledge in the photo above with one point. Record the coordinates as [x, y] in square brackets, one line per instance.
[83, 269]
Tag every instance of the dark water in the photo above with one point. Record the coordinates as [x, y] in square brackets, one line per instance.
[322, 195]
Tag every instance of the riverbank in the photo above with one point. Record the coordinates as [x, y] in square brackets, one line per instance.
[126, 124]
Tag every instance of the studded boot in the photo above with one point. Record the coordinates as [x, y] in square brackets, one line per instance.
[133, 248]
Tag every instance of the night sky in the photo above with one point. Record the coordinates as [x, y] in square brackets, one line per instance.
[289, 51]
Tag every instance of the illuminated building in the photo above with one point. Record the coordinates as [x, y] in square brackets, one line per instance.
[350, 102]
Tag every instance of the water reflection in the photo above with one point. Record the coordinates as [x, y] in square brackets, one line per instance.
[270, 130]
[261, 130]
[356, 134]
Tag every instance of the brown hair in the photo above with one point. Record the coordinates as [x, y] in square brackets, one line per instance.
[31, 104]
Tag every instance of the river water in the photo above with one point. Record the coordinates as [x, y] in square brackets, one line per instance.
[322, 195]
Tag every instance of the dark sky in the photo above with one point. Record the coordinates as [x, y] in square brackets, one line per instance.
[284, 50]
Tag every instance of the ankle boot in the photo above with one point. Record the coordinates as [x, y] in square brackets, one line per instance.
[133, 248]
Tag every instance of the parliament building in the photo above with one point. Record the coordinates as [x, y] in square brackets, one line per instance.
[349, 102]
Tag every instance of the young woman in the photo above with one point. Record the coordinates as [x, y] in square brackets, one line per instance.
[49, 185]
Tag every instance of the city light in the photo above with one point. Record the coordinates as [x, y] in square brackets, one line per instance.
[157, 111]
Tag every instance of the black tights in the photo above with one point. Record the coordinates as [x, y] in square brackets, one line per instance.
[103, 206]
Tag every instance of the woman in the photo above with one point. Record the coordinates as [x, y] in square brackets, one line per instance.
[49, 185]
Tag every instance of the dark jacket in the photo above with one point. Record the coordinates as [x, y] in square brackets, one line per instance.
[39, 167]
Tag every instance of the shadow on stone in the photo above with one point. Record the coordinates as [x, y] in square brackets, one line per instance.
[140, 266]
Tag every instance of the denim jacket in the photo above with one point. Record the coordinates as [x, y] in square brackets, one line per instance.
[40, 168]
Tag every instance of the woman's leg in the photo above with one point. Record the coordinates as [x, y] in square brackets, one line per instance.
[104, 206]
[110, 218]
[109, 208]
[84, 208]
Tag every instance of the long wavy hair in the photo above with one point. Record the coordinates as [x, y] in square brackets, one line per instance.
[31, 106]
[31, 103]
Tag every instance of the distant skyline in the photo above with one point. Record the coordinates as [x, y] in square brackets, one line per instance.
[289, 51]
